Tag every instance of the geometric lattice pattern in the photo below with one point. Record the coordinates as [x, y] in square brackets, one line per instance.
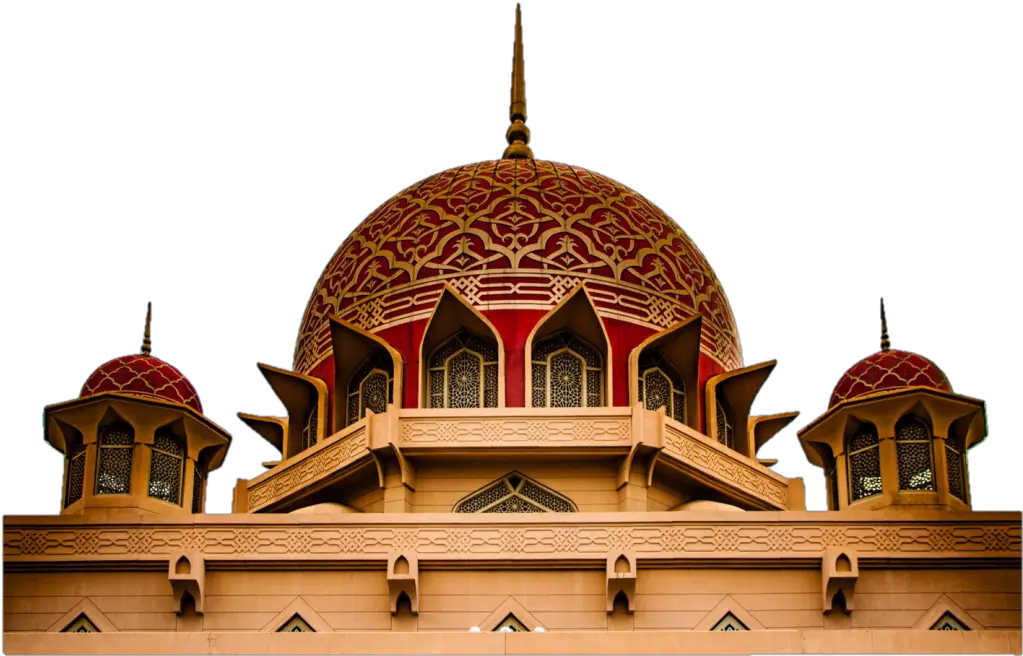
[567, 373]
[862, 452]
[948, 622]
[166, 468]
[729, 623]
[80, 624]
[309, 431]
[726, 434]
[75, 474]
[660, 386]
[913, 447]
[463, 373]
[145, 375]
[296, 625]
[371, 388]
[888, 370]
[956, 469]
[116, 447]
[197, 480]
[514, 493]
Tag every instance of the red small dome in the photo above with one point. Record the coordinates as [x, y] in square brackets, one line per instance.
[888, 370]
[145, 375]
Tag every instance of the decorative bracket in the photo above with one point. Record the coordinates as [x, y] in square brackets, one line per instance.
[187, 574]
[840, 570]
[403, 577]
[621, 579]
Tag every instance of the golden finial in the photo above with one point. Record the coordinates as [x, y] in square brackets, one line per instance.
[518, 133]
[147, 344]
[885, 344]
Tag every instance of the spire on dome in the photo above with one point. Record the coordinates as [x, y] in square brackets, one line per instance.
[147, 344]
[885, 344]
[518, 133]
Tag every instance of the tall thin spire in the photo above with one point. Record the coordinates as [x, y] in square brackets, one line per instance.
[518, 133]
[885, 344]
[147, 344]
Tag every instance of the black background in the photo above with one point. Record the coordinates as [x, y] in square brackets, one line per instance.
[210, 164]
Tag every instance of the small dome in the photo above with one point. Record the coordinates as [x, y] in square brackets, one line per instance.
[888, 370]
[144, 375]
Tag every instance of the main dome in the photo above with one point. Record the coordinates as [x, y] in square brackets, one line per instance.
[518, 234]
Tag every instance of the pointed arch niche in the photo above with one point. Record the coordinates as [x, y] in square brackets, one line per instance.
[461, 357]
[560, 340]
[305, 399]
[367, 373]
[671, 356]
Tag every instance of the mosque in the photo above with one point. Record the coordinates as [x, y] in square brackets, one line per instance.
[518, 421]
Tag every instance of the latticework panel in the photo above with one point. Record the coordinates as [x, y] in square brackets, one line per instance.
[75, 474]
[515, 493]
[913, 448]
[116, 448]
[956, 470]
[197, 485]
[166, 467]
[726, 434]
[370, 388]
[312, 425]
[832, 477]
[566, 380]
[463, 373]
[659, 388]
[567, 373]
[864, 463]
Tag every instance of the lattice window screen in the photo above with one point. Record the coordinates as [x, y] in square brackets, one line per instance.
[75, 473]
[116, 450]
[198, 478]
[726, 433]
[371, 388]
[514, 493]
[661, 386]
[309, 431]
[956, 469]
[864, 463]
[166, 467]
[948, 622]
[463, 373]
[913, 448]
[567, 372]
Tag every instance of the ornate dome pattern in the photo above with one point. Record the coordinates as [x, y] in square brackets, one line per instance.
[145, 375]
[887, 370]
[518, 234]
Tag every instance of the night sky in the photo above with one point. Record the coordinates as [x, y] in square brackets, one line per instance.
[212, 169]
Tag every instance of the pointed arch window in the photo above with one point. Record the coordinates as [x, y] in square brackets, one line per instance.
[729, 623]
[515, 493]
[726, 433]
[167, 467]
[913, 448]
[954, 458]
[660, 386]
[312, 425]
[463, 373]
[75, 472]
[116, 448]
[948, 622]
[567, 373]
[864, 463]
[80, 624]
[296, 625]
[371, 388]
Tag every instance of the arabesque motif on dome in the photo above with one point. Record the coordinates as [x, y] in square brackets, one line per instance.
[518, 234]
[887, 370]
[145, 375]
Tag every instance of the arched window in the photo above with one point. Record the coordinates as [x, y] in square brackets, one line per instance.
[660, 386]
[514, 493]
[312, 424]
[864, 463]
[371, 388]
[956, 470]
[726, 433]
[913, 448]
[116, 447]
[167, 467]
[567, 373]
[463, 373]
[75, 472]
[198, 480]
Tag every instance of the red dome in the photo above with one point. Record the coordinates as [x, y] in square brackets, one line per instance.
[514, 237]
[145, 375]
[888, 370]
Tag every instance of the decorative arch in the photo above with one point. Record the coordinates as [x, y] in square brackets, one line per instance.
[305, 398]
[167, 457]
[863, 455]
[362, 358]
[729, 398]
[515, 493]
[678, 349]
[574, 318]
[458, 339]
[914, 453]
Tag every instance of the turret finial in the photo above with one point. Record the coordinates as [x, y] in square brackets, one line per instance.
[518, 133]
[885, 344]
[147, 344]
